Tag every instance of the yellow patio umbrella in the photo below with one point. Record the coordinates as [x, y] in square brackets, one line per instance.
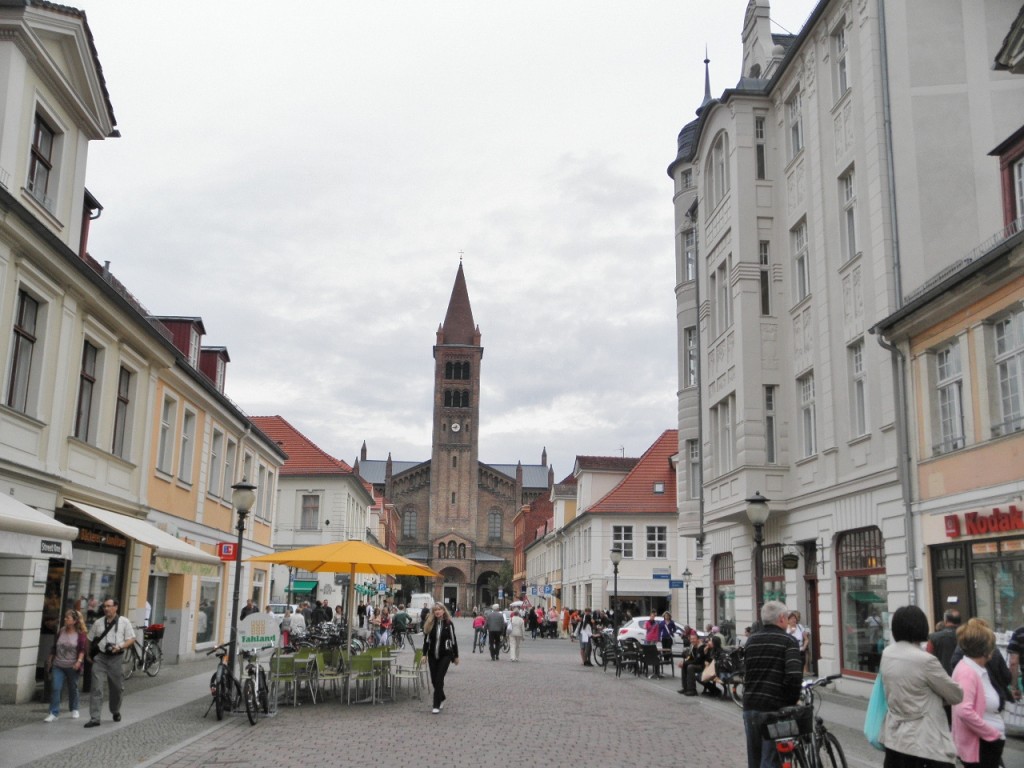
[349, 557]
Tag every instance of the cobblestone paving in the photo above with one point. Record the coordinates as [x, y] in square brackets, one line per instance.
[549, 703]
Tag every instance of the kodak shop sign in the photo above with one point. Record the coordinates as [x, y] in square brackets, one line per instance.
[1000, 520]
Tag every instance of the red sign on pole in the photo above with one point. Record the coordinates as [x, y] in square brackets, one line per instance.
[226, 550]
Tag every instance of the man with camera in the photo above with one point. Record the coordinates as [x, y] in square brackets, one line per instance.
[108, 639]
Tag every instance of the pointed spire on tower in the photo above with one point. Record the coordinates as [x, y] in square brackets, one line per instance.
[707, 78]
[458, 326]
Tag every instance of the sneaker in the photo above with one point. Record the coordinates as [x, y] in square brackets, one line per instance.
[49, 718]
[74, 714]
[435, 711]
[442, 705]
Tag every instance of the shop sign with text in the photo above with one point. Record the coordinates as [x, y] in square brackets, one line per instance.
[999, 520]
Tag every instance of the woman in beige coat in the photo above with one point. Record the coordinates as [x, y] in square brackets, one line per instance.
[916, 734]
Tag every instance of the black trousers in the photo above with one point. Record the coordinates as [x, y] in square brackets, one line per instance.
[494, 642]
[438, 669]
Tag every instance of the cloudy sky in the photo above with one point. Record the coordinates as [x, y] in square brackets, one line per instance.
[304, 177]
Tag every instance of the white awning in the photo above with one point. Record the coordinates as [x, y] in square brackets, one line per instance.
[27, 532]
[145, 532]
[639, 587]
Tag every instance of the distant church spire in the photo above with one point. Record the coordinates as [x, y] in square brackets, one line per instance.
[707, 78]
[458, 326]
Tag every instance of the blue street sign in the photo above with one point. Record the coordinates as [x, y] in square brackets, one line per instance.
[533, 590]
[382, 587]
[676, 584]
[665, 576]
[501, 594]
[547, 589]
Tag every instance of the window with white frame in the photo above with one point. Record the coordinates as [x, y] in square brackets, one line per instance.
[193, 347]
[247, 467]
[717, 183]
[262, 492]
[22, 379]
[188, 444]
[165, 449]
[689, 256]
[693, 474]
[795, 124]
[690, 344]
[622, 537]
[765, 265]
[721, 293]
[229, 468]
[42, 180]
[801, 266]
[848, 201]
[310, 516]
[686, 178]
[1009, 358]
[220, 373]
[722, 416]
[121, 443]
[858, 396]
[949, 383]
[1018, 186]
[839, 72]
[805, 391]
[216, 462]
[771, 394]
[657, 542]
[760, 149]
[85, 413]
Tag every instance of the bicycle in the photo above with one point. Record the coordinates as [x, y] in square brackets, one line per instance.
[255, 691]
[479, 640]
[149, 657]
[800, 735]
[224, 688]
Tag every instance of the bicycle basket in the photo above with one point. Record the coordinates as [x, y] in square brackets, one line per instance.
[788, 723]
[153, 632]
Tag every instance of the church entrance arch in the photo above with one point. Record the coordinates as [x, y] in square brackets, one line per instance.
[452, 591]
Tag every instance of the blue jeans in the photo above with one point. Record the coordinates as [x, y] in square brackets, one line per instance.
[761, 752]
[60, 676]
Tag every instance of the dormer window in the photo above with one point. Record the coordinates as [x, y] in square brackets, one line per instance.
[40, 167]
[220, 373]
[659, 488]
[193, 347]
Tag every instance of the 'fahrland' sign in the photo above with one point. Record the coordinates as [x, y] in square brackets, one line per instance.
[1000, 520]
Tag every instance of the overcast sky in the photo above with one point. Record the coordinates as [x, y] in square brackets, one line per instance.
[304, 176]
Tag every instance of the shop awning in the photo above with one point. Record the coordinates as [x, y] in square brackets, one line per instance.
[636, 587]
[146, 533]
[300, 585]
[27, 532]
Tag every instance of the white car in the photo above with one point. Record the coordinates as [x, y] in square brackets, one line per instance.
[277, 610]
[636, 629]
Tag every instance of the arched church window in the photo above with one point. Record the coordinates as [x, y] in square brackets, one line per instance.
[451, 550]
[449, 370]
[440, 550]
[448, 400]
[465, 370]
[462, 551]
[494, 524]
[455, 461]
[464, 398]
[409, 524]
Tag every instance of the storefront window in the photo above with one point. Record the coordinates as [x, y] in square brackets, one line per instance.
[997, 568]
[860, 573]
[774, 575]
[206, 614]
[725, 594]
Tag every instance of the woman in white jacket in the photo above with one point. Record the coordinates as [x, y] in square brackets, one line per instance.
[916, 734]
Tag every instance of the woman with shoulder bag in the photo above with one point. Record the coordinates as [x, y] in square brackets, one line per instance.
[66, 661]
[441, 649]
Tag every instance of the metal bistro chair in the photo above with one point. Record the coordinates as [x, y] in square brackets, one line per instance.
[306, 672]
[362, 673]
[413, 674]
[282, 676]
[329, 676]
[628, 657]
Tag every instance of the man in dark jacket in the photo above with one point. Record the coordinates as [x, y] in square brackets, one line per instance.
[942, 643]
[772, 673]
[495, 630]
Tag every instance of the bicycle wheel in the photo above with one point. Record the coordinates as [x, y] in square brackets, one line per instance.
[128, 663]
[505, 644]
[154, 658]
[735, 687]
[263, 695]
[220, 692]
[830, 753]
[598, 652]
[249, 694]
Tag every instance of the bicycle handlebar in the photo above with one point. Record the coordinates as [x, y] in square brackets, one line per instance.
[808, 684]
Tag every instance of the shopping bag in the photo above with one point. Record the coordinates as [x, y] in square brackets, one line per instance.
[874, 718]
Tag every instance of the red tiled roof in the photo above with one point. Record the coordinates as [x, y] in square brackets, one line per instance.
[304, 456]
[635, 494]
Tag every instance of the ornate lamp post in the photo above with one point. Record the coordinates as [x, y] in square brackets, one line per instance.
[757, 513]
[616, 558]
[243, 496]
[686, 583]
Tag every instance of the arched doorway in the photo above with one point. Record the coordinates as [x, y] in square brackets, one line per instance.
[485, 596]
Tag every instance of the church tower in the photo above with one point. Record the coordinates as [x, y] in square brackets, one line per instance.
[454, 473]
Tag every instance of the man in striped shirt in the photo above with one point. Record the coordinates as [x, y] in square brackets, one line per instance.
[772, 673]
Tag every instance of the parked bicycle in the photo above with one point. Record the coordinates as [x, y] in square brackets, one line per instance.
[255, 691]
[224, 688]
[730, 674]
[149, 657]
[800, 735]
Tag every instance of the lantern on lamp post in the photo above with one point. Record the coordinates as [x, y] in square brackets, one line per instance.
[757, 513]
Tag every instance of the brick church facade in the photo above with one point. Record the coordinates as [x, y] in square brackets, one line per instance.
[456, 511]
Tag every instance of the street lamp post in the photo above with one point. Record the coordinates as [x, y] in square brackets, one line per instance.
[757, 513]
[686, 583]
[616, 558]
[243, 496]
